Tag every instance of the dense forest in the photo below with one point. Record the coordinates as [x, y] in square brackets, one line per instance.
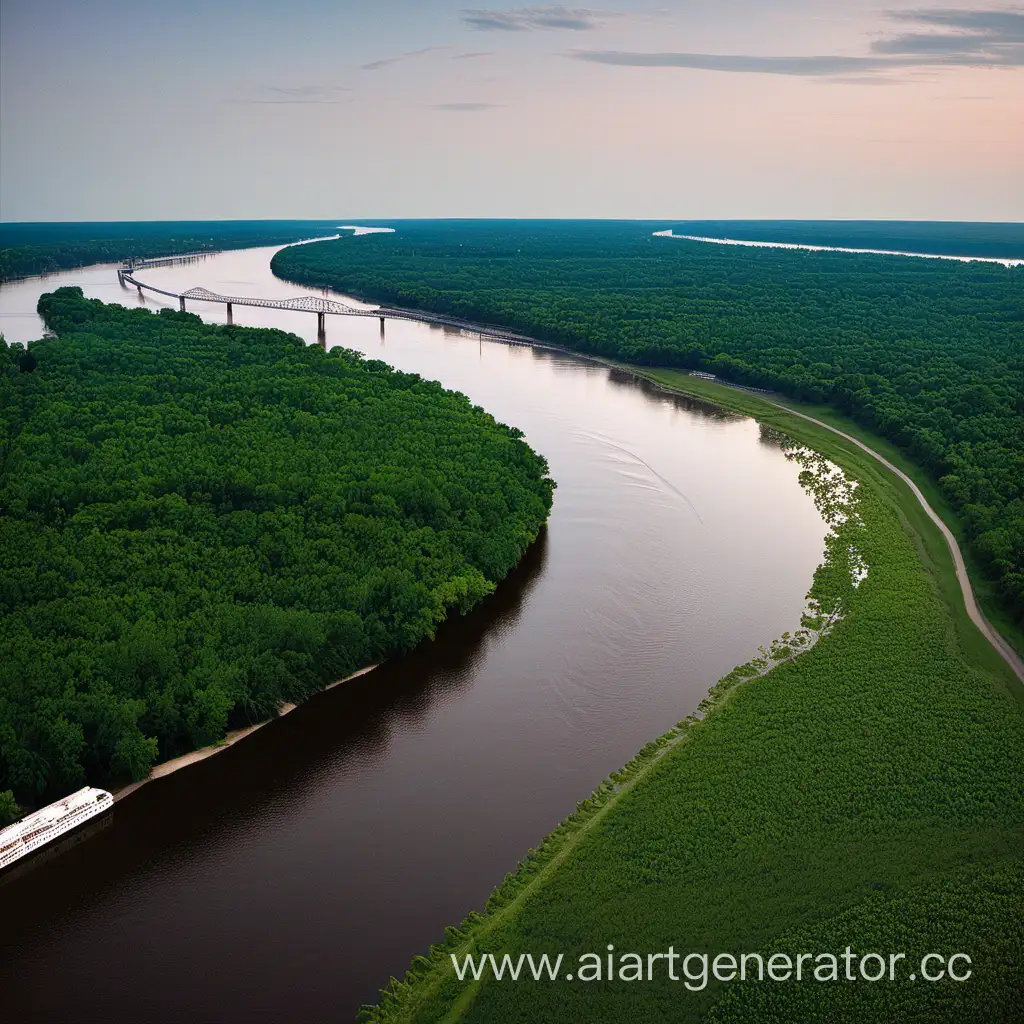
[199, 523]
[927, 353]
[45, 248]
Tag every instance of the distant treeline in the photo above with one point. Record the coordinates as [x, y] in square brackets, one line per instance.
[198, 523]
[949, 238]
[27, 249]
[927, 353]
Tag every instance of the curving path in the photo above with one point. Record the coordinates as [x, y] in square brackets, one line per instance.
[1005, 651]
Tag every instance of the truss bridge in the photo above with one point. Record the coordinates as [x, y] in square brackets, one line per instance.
[321, 306]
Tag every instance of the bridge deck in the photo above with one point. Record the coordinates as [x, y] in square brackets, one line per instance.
[309, 303]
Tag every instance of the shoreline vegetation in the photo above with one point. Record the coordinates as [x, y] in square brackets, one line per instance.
[205, 524]
[175, 764]
[762, 407]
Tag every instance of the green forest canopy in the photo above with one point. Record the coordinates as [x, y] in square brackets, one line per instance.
[927, 353]
[198, 523]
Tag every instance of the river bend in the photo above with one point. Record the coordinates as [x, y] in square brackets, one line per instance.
[290, 876]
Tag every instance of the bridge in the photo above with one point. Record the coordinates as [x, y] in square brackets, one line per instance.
[139, 262]
[322, 307]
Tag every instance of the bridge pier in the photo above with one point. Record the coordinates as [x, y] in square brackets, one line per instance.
[231, 319]
[382, 327]
[321, 324]
[181, 302]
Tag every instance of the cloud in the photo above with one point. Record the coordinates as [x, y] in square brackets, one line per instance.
[275, 102]
[529, 19]
[966, 38]
[1007, 23]
[996, 37]
[307, 91]
[928, 43]
[474, 55]
[867, 78]
[800, 66]
[289, 94]
[376, 65]
[465, 108]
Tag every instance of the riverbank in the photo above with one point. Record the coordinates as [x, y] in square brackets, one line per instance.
[811, 425]
[174, 764]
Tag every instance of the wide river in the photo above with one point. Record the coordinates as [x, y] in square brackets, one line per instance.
[290, 876]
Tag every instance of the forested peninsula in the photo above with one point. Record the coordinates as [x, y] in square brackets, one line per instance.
[45, 248]
[199, 523]
[926, 353]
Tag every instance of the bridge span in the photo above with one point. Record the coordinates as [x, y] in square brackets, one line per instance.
[317, 304]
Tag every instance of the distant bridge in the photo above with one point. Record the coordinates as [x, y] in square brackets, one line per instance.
[304, 303]
[138, 262]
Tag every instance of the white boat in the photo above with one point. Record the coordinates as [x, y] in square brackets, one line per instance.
[46, 824]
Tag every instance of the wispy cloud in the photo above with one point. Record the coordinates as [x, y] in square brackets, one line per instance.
[307, 91]
[465, 108]
[997, 36]
[474, 55]
[289, 94]
[801, 66]
[376, 65]
[530, 19]
[867, 78]
[967, 38]
[277, 102]
[1007, 23]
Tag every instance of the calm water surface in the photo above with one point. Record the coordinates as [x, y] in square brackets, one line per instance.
[290, 876]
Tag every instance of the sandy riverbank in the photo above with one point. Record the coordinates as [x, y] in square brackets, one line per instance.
[177, 763]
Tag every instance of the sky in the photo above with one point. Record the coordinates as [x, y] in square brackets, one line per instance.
[674, 110]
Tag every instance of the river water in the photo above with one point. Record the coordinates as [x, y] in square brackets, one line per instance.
[291, 875]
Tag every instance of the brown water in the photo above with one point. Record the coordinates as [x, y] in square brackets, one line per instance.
[290, 876]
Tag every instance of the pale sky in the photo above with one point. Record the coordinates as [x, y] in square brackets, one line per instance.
[675, 109]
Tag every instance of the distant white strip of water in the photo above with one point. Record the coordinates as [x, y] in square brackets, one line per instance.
[669, 233]
[358, 229]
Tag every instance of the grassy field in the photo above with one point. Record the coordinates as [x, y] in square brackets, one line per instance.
[869, 793]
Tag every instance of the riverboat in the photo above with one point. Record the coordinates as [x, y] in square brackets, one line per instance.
[49, 823]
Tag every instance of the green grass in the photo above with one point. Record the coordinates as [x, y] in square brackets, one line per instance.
[880, 772]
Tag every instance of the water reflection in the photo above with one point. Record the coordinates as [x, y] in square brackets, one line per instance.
[684, 403]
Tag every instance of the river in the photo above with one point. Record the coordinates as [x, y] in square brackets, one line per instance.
[291, 875]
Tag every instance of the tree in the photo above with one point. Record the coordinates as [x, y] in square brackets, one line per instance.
[9, 809]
